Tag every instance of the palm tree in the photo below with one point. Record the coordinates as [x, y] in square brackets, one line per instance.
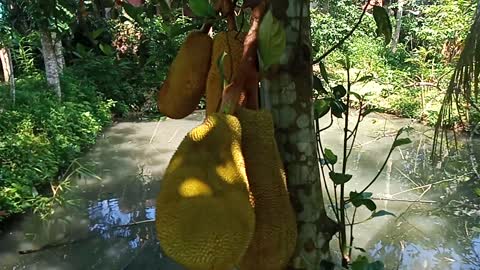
[462, 94]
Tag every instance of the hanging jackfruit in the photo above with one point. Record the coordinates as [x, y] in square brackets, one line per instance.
[205, 217]
[275, 227]
[230, 43]
[185, 83]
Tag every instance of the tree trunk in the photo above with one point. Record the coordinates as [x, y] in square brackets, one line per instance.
[7, 64]
[52, 69]
[398, 26]
[288, 92]
[59, 53]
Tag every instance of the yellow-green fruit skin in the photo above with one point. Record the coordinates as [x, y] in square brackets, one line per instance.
[204, 216]
[230, 43]
[185, 83]
[275, 226]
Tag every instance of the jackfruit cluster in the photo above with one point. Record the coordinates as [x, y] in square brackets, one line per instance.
[275, 235]
[205, 218]
[185, 83]
[230, 43]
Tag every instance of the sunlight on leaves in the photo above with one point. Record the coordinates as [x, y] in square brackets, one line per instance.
[272, 40]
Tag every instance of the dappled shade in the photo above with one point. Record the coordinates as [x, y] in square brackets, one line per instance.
[185, 84]
[205, 218]
[275, 227]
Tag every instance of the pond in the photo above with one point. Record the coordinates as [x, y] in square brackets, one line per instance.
[110, 225]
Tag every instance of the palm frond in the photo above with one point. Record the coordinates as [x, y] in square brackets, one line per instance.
[462, 94]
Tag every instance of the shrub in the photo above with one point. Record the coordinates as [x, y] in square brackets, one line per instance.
[40, 136]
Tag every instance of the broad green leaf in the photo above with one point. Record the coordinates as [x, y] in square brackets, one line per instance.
[106, 49]
[338, 108]
[201, 8]
[330, 156]
[323, 71]
[364, 195]
[339, 91]
[134, 12]
[339, 178]
[272, 40]
[476, 229]
[382, 213]
[363, 199]
[356, 95]
[95, 34]
[384, 26]
[401, 141]
[321, 107]
[318, 85]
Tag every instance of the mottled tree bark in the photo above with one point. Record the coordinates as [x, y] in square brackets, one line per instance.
[7, 65]
[398, 26]
[289, 95]
[51, 63]
[59, 53]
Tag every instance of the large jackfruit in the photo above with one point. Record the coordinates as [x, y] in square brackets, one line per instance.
[230, 43]
[205, 217]
[185, 84]
[275, 227]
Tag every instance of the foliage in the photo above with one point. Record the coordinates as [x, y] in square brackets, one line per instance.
[40, 137]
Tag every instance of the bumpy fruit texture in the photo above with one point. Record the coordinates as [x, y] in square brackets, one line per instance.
[275, 227]
[185, 84]
[205, 217]
[230, 43]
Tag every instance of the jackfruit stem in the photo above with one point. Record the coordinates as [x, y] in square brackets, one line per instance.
[228, 11]
[243, 91]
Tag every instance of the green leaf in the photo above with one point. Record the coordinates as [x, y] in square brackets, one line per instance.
[321, 107]
[201, 8]
[359, 199]
[382, 213]
[318, 85]
[476, 229]
[272, 40]
[106, 49]
[338, 108]
[339, 91]
[134, 12]
[364, 195]
[365, 78]
[477, 191]
[323, 72]
[384, 26]
[339, 178]
[370, 110]
[330, 156]
[95, 34]
[401, 141]
[356, 95]
[359, 248]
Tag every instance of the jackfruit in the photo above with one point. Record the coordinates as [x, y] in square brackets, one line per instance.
[275, 234]
[230, 43]
[205, 217]
[185, 83]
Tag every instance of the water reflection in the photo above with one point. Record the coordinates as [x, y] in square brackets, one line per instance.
[112, 227]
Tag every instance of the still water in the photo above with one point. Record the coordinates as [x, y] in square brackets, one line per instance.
[111, 225]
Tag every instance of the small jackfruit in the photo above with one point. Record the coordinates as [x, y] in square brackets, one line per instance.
[230, 43]
[275, 234]
[185, 83]
[204, 216]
